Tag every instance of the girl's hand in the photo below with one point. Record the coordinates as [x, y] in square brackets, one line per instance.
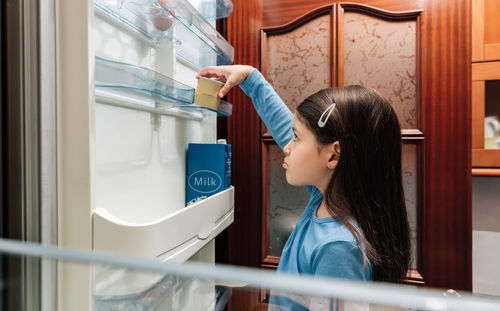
[231, 75]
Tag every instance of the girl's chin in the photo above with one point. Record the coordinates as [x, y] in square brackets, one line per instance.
[293, 182]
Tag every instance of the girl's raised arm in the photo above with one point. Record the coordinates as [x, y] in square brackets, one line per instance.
[267, 103]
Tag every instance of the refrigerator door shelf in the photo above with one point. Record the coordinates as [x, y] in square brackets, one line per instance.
[176, 237]
[189, 248]
[225, 109]
[120, 97]
[117, 98]
[169, 292]
[131, 21]
[197, 41]
[141, 88]
[162, 292]
[130, 290]
[115, 74]
[213, 9]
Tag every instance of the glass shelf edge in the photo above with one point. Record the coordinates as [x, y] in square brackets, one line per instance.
[156, 86]
[223, 9]
[119, 21]
[202, 32]
[186, 14]
[112, 99]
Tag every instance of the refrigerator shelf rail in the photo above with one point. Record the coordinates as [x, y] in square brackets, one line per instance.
[129, 86]
[197, 41]
[176, 237]
[213, 9]
[108, 97]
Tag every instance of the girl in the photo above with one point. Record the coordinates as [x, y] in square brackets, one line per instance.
[344, 145]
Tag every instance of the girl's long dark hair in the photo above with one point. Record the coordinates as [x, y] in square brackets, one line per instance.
[366, 185]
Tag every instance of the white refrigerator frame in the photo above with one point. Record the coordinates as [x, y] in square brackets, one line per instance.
[76, 198]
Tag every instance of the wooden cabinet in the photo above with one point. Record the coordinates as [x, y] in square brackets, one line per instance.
[485, 30]
[437, 120]
[485, 88]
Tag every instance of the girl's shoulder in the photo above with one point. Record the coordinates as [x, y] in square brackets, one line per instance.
[341, 259]
[331, 229]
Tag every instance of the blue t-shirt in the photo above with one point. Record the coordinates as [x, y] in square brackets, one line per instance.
[317, 246]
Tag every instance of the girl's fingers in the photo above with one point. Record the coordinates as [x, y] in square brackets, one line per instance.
[207, 70]
[207, 75]
[213, 71]
[223, 91]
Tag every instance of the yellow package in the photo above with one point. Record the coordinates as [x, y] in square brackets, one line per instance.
[207, 93]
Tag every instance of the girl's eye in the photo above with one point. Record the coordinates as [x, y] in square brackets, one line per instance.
[295, 137]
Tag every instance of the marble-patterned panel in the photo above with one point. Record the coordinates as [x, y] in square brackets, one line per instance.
[298, 65]
[409, 171]
[299, 61]
[383, 55]
[285, 202]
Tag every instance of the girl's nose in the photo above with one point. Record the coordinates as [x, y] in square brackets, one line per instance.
[286, 149]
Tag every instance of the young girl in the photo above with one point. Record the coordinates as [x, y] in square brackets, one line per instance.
[344, 145]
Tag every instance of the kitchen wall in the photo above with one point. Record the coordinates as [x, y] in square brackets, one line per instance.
[486, 235]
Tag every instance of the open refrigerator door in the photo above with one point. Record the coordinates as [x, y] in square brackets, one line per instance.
[126, 79]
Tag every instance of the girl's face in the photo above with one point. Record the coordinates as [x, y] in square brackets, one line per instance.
[306, 161]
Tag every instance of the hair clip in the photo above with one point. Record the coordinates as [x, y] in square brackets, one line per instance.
[321, 122]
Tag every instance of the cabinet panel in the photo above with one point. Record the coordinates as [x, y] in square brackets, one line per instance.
[485, 30]
[284, 203]
[382, 55]
[486, 116]
[299, 61]
[410, 184]
[478, 114]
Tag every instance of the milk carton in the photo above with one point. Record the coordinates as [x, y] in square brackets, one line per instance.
[208, 170]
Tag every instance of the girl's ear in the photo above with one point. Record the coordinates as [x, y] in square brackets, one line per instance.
[334, 154]
[336, 147]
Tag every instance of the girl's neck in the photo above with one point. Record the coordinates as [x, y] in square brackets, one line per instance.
[322, 211]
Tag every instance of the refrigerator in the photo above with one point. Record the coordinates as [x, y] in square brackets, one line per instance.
[126, 78]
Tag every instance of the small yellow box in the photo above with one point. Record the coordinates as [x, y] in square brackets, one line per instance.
[207, 93]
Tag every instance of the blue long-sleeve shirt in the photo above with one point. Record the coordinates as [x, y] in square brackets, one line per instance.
[317, 246]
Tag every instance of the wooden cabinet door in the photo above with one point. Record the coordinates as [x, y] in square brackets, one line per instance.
[358, 44]
[379, 49]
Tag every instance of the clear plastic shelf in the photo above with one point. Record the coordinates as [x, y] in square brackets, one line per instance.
[225, 109]
[145, 299]
[132, 20]
[213, 9]
[137, 87]
[198, 42]
[112, 74]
